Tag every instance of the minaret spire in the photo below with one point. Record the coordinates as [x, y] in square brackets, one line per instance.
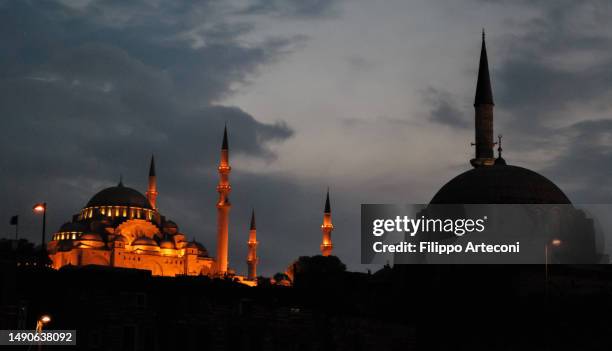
[327, 227]
[152, 167]
[253, 220]
[223, 207]
[224, 145]
[152, 189]
[484, 93]
[252, 258]
[483, 105]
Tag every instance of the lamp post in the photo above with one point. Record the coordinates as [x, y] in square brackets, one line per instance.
[554, 243]
[44, 319]
[41, 207]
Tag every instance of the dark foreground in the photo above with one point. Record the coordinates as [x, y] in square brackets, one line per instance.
[406, 308]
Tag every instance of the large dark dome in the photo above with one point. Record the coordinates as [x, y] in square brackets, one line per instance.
[500, 184]
[119, 196]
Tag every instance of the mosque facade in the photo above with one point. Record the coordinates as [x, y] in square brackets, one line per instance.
[121, 227]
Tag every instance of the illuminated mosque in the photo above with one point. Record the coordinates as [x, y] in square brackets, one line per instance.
[121, 227]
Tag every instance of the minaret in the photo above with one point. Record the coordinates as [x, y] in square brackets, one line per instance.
[483, 105]
[223, 207]
[252, 256]
[152, 189]
[326, 228]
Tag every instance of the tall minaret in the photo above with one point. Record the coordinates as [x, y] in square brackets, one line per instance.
[326, 228]
[252, 257]
[223, 206]
[483, 105]
[152, 189]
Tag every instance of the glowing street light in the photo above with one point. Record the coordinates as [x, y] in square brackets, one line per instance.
[39, 208]
[555, 243]
[44, 319]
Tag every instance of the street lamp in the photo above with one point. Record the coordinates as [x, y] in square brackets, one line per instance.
[41, 207]
[44, 319]
[554, 243]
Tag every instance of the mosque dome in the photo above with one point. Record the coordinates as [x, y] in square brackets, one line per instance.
[167, 244]
[119, 195]
[492, 180]
[500, 184]
[202, 251]
[144, 241]
[170, 224]
[91, 239]
[170, 227]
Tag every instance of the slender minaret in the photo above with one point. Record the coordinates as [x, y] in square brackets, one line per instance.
[326, 228]
[252, 256]
[223, 207]
[152, 189]
[483, 105]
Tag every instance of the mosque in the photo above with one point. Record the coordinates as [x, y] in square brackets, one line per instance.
[121, 227]
[491, 180]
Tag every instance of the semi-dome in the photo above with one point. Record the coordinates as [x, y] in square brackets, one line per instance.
[202, 251]
[167, 243]
[144, 241]
[170, 224]
[170, 227]
[500, 184]
[119, 196]
[91, 237]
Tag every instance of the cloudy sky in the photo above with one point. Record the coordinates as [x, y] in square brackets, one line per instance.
[373, 99]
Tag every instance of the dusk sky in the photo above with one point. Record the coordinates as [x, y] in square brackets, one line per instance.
[371, 98]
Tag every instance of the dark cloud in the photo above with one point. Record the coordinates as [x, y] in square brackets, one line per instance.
[294, 8]
[444, 109]
[584, 164]
[539, 73]
[88, 93]
[557, 71]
